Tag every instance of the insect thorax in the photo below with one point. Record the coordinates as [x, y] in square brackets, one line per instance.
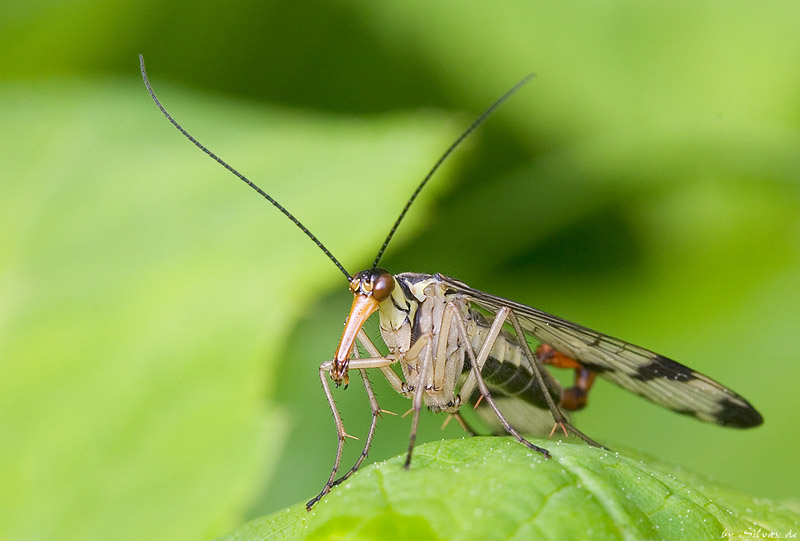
[399, 312]
[415, 309]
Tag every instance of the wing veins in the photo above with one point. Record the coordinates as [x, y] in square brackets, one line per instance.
[641, 371]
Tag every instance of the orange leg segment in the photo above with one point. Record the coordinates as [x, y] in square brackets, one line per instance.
[575, 397]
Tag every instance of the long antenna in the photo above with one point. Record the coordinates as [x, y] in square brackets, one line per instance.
[441, 160]
[247, 181]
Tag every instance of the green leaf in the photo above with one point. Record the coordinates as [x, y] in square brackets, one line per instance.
[145, 293]
[494, 488]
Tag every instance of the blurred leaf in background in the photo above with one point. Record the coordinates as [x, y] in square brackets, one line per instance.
[154, 379]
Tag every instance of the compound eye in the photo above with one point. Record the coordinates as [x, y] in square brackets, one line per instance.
[382, 286]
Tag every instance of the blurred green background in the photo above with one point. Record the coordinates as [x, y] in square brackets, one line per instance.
[161, 326]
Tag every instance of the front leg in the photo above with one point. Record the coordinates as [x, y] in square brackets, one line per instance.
[396, 383]
[376, 412]
[324, 370]
[394, 380]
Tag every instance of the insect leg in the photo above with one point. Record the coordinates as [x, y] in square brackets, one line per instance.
[324, 370]
[394, 380]
[417, 404]
[440, 360]
[501, 315]
[461, 421]
[464, 424]
[575, 397]
[448, 365]
[486, 348]
[376, 412]
[559, 417]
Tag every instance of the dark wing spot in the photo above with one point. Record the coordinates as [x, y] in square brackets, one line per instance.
[738, 415]
[662, 367]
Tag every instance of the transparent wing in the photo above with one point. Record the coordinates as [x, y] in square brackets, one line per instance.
[526, 418]
[641, 371]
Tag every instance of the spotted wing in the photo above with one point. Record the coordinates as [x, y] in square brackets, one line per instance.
[650, 375]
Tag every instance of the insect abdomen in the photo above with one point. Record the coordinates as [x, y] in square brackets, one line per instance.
[517, 381]
[506, 369]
